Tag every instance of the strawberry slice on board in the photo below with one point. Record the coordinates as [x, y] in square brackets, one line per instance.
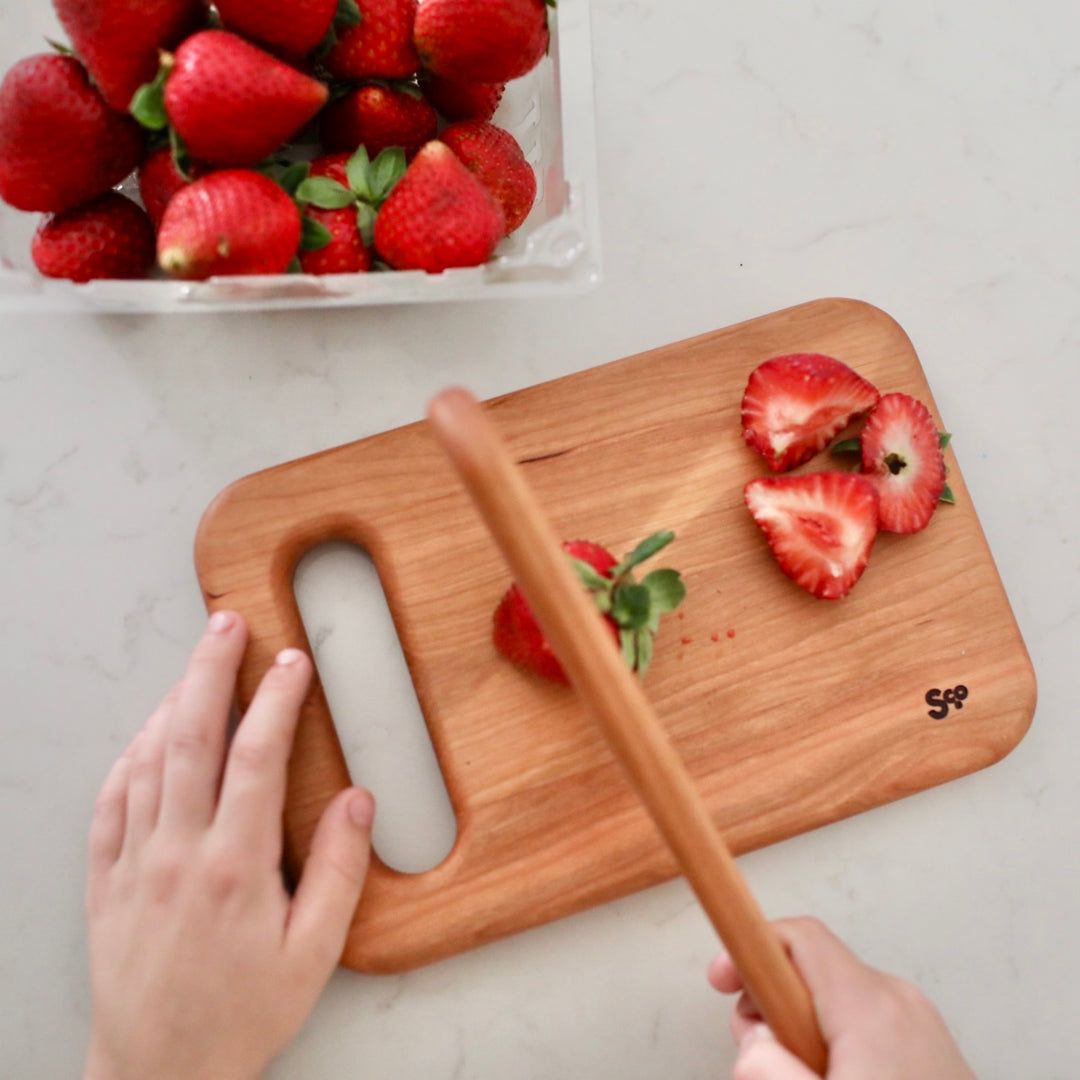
[632, 610]
[794, 405]
[901, 456]
[820, 526]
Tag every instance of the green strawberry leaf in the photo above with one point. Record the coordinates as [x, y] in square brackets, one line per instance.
[325, 193]
[292, 176]
[628, 644]
[630, 606]
[407, 87]
[944, 438]
[180, 156]
[148, 102]
[348, 13]
[357, 172]
[643, 647]
[947, 495]
[666, 589]
[590, 576]
[60, 47]
[645, 550]
[386, 170]
[847, 446]
[365, 223]
[313, 234]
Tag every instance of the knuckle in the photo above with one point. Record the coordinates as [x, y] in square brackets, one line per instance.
[254, 754]
[189, 742]
[223, 872]
[165, 866]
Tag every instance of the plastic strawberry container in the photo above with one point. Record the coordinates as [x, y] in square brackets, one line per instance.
[555, 252]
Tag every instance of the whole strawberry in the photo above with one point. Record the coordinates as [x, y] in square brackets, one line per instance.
[457, 100]
[119, 40]
[160, 180]
[632, 610]
[496, 159]
[60, 143]
[233, 103]
[485, 41]
[235, 221]
[438, 216]
[107, 237]
[290, 27]
[377, 117]
[380, 45]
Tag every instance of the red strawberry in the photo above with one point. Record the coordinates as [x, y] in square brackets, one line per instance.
[377, 117]
[631, 610]
[119, 40]
[820, 526]
[486, 41]
[794, 405]
[346, 252]
[499, 164]
[380, 45]
[901, 455]
[234, 104]
[107, 237]
[160, 180]
[60, 143]
[290, 27]
[438, 216]
[456, 100]
[235, 221]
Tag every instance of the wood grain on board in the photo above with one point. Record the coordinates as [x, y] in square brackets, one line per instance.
[790, 712]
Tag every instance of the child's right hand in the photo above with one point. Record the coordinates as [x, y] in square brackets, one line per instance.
[874, 1024]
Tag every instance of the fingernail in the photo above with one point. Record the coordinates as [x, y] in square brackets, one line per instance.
[757, 1033]
[361, 808]
[221, 621]
[289, 656]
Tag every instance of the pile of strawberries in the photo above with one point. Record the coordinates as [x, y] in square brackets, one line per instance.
[328, 136]
[821, 525]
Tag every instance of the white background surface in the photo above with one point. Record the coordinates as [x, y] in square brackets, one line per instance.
[924, 157]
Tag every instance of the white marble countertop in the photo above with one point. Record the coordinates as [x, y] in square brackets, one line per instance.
[924, 157]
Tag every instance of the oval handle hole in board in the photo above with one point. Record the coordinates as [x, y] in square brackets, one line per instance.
[373, 702]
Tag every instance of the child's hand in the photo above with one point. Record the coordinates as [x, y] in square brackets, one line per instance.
[202, 965]
[875, 1025]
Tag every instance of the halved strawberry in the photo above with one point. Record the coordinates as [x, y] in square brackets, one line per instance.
[632, 610]
[794, 405]
[820, 527]
[901, 455]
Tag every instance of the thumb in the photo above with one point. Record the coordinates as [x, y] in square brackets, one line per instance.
[333, 878]
[761, 1057]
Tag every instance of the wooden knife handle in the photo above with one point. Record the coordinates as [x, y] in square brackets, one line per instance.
[599, 675]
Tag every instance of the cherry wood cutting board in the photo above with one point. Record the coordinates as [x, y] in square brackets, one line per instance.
[790, 712]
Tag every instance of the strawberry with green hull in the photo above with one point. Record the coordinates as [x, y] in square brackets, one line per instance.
[230, 102]
[820, 526]
[631, 610]
[378, 45]
[438, 216]
[794, 405]
[377, 117]
[484, 41]
[60, 143]
[901, 456]
[498, 162]
[107, 237]
[119, 40]
[234, 221]
[290, 28]
[457, 100]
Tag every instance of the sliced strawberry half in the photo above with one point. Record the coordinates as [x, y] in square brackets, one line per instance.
[794, 405]
[901, 455]
[632, 610]
[820, 526]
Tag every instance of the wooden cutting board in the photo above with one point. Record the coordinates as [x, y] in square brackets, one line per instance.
[790, 712]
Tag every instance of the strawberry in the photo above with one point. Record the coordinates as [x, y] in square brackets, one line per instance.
[60, 143]
[438, 216]
[107, 237]
[119, 40]
[160, 180]
[485, 41]
[340, 196]
[376, 116]
[457, 100]
[235, 221]
[499, 164]
[901, 456]
[232, 103]
[290, 27]
[379, 45]
[631, 610]
[820, 527]
[794, 405]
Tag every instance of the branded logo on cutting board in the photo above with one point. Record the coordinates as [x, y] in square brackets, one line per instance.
[943, 700]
